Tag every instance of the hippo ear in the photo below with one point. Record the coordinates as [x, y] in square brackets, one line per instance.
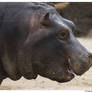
[46, 17]
[46, 20]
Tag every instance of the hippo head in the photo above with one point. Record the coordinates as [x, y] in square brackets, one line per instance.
[56, 53]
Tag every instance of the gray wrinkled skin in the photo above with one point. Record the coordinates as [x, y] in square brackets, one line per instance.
[36, 40]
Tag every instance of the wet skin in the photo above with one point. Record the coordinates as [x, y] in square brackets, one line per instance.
[38, 41]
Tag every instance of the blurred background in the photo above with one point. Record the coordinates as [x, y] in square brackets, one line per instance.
[79, 12]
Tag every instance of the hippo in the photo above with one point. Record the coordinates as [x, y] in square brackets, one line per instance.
[36, 40]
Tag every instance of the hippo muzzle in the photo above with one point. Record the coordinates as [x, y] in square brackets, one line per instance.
[80, 60]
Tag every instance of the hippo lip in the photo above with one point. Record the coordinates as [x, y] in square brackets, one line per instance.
[70, 70]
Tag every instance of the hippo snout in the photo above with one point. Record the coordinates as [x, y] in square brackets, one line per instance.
[81, 65]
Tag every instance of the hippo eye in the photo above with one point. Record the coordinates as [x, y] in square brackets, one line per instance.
[63, 35]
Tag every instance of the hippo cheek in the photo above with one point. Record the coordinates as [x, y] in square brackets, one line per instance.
[60, 73]
[61, 77]
[56, 72]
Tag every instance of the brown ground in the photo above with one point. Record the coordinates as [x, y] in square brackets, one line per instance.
[79, 82]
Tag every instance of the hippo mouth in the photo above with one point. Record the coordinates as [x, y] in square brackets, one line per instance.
[69, 69]
[69, 74]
